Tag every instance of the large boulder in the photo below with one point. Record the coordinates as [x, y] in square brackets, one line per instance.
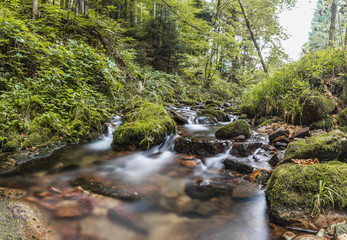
[342, 118]
[145, 125]
[234, 129]
[293, 188]
[316, 108]
[327, 147]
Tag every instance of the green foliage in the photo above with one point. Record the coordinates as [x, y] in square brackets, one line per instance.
[66, 88]
[285, 90]
[323, 195]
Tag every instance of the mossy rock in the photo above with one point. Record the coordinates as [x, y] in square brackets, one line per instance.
[220, 115]
[249, 110]
[342, 118]
[327, 147]
[316, 108]
[234, 129]
[294, 186]
[145, 126]
[326, 124]
[189, 102]
[211, 106]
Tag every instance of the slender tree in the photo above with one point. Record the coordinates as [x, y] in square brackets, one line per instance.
[252, 36]
[34, 9]
[332, 22]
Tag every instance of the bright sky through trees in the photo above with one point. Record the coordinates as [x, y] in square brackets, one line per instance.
[297, 21]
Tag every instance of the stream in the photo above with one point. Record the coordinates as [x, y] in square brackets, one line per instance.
[91, 192]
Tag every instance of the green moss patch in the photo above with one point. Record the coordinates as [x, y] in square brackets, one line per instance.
[316, 108]
[342, 118]
[294, 186]
[220, 115]
[145, 126]
[234, 129]
[326, 147]
[326, 124]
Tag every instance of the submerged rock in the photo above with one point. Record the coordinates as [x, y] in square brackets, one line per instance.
[327, 147]
[238, 166]
[109, 187]
[316, 108]
[200, 147]
[245, 149]
[234, 129]
[146, 125]
[205, 190]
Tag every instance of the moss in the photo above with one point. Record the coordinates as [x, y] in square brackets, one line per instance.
[230, 109]
[144, 126]
[326, 124]
[36, 139]
[234, 129]
[11, 146]
[249, 110]
[316, 108]
[211, 105]
[294, 186]
[220, 115]
[342, 118]
[189, 102]
[326, 147]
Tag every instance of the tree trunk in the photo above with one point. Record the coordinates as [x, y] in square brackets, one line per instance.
[126, 10]
[34, 9]
[132, 10]
[62, 4]
[332, 23]
[252, 36]
[68, 5]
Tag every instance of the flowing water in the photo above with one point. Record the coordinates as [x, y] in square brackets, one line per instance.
[161, 199]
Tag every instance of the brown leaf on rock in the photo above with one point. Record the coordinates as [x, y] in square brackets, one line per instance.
[309, 161]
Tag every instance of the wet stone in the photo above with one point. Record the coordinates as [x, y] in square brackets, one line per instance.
[260, 176]
[109, 187]
[238, 166]
[279, 132]
[200, 147]
[178, 118]
[302, 133]
[77, 209]
[207, 190]
[126, 219]
[244, 190]
[274, 160]
[245, 149]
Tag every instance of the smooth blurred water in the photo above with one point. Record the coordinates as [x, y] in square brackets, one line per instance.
[163, 212]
